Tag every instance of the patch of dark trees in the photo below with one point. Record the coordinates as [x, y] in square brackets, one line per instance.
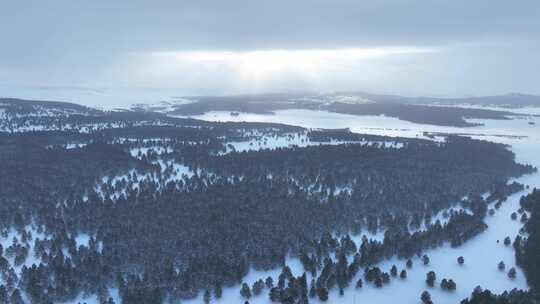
[443, 116]
[345, 135]
[326, 261]
[515, 296]
[528, 248]
[419, 174]
[60, 116]
[24, 106]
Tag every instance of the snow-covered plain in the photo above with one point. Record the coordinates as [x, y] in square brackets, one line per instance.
[482, 253]
[295, 139]
[378, 125]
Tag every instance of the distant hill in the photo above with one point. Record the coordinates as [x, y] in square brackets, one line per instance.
[423, 110]
[513, 100]
[413, 109]
[44, 108]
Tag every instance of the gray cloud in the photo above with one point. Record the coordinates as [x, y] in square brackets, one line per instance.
[484, 46]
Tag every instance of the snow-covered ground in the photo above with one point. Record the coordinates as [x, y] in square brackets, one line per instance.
[378, 125]
[296, 139]
[482, 253]
[75, 145]
[143, 151]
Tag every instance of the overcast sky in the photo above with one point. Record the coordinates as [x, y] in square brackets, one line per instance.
[144, 49]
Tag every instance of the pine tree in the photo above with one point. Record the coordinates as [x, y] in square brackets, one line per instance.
[257, 287]
[218, 291]
[206, 297]
[451, 285]
[359, 283]
[269, 282]
[425, 259]
[275, 294]
[426, 298]
[524, 218]
[394, 271]
[110, 301]
[512, 273]
[409, 263]
[322, 293]
[245, 291]
[430, 278]
[385, 277]
[403, 274]
[444, 284]
[378, 282]
[312, 290]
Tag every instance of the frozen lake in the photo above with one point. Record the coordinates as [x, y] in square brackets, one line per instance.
[482, 253]
[379, 125]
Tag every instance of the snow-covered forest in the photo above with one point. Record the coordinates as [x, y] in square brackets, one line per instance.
[301, 206]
